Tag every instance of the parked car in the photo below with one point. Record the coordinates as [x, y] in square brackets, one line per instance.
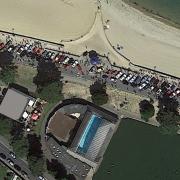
[11, 48]
[26, 47]
[12, 155]
[104, 76]
[66, 59]
[17, 167]
[113, 79]
[41, 178]
[129, 77]
[142, 86]
[20, 50]
[2, 45]
[30, 48]
[10, 162]
[71, 61]
[75, 63]
[3, 156]
[133, 79]
[123, 77]
[137, 81]
[119, 74]
[24, 173]
[53, 56]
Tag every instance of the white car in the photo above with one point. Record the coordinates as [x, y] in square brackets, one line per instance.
[20, 50]
[159, 92]
[129, 77]
[119, 75]
[123, 77]
[133, 79]
[10, 162]
[53, 55]
[26, 47]
[75, 63]
[41, 178]
[142, 86]
[113, 79]
[12, 155]
[66, 60]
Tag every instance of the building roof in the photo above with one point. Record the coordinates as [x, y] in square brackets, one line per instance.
[60, 126]
[14, 104]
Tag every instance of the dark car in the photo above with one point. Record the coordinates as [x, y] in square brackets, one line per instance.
[24, 173]
[71, 61]
[17, 167]
[3, 156]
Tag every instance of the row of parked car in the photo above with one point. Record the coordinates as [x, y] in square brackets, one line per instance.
[32, 51]
[143, 82]
[10, 161]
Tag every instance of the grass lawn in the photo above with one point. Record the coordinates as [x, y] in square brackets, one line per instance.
[46, 110]
[140, 152]
[25, 76]
[3, 171]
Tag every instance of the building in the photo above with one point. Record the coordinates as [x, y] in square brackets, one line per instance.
[88, 134]
[16, 105]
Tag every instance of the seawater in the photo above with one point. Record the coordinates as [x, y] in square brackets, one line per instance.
[169, 9]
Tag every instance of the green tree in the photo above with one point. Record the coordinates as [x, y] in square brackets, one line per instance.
[47, 73]
[146, 109]
[98, 93]
[7, 75]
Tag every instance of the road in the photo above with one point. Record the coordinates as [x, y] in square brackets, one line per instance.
[17, 161]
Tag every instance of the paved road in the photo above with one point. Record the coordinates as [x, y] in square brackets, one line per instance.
[17, 161]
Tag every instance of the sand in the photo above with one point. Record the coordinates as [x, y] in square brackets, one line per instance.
[145, 41]
[52, 20]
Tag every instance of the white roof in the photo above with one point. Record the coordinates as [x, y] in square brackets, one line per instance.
[25, 115]
[31, 102]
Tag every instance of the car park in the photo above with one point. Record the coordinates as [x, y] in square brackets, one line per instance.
[3, 156]
[10, 162]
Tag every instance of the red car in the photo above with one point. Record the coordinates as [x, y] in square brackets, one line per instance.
[2, 45]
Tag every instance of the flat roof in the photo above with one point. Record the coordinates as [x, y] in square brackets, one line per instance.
[14, 104]
[60, 126]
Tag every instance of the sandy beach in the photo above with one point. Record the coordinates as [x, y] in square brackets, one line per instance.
[52, 20]
[145, 41]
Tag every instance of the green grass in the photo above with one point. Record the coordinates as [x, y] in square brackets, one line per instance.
[140, 152]
[46, 110]
[25, 75]
[5, 128]
[3, 171]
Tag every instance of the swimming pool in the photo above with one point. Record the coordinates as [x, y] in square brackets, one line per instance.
[88, 134]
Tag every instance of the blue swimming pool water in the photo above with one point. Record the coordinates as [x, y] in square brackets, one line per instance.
[88, 134]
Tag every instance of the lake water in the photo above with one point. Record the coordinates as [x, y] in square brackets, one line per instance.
[139, 151]
[169, 9]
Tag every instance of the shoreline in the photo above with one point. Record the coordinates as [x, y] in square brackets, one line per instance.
[153, 14]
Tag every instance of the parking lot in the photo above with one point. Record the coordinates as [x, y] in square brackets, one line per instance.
[81, 66]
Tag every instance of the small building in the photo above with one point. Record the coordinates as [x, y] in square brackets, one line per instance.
[15, 103]
[61, 126]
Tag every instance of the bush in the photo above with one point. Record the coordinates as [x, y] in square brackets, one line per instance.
[146, 109]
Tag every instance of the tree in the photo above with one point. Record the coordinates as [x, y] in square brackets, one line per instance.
[35, 154]
[47, 73]
[146, 109]
[8, 74]
[58, 170]
[5, 59]
[51, 92]
[98, 93]
[168, 115]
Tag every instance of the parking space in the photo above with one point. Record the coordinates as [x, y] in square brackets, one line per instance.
[124, 79]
